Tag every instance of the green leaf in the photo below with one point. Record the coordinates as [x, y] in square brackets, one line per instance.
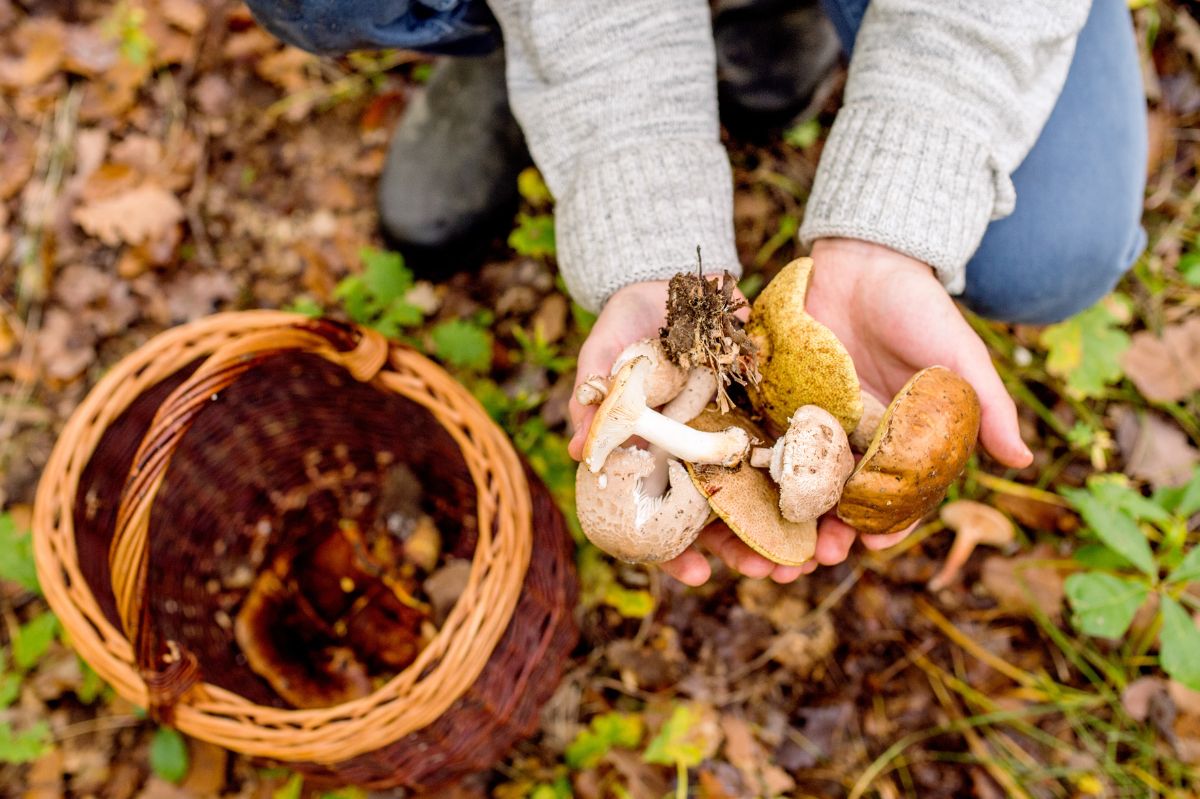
[1180, 644]
[169, 755]
[681, 741]
[1188, 568]
[559, 789]
[1100, 557]
[33, 639]
[305, 306]
[606, 731]
[1085, 351]
[1114, 491]
[630, 603]
[534, 236]
[10, 688]
[1104, 604]
[91, 686]
[804, 135]
[16, 555]
[532, 188]
[463, 344]
[347, 792]
[1115, 528]
[1189, 268]
[1182, 500]
[290, 789]
[385, 276]
[24, 747]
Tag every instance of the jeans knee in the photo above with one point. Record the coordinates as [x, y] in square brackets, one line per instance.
[1045, 279]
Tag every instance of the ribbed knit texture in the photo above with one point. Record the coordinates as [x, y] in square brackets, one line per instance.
[618, 104]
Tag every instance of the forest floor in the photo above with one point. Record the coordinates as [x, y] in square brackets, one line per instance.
[164, 159]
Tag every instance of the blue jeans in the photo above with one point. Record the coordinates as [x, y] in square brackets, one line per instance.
[1076, 228]
[1077, 225]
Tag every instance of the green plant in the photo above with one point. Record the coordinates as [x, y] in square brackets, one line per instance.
[1085, 350]
[463, 343]
[600, 586]
[536, 351]
[25, 746]
[606, 731]
[533, 236]
[169, 755]
[378, 297]
[16, 555]
[1122, 570]
[683, 742]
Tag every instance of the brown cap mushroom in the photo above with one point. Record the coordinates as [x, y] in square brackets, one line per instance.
[810, 463]
[973, 523]
[747, 500]
[624, 413]
[801, 361]
[919, 449]
[618, 515]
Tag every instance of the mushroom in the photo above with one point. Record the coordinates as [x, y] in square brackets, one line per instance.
[868, 423]
[747, 500]
[920, 447]
[621, 517]
[810, 462]
[624, 413]
[666, 378]
[973, 523]
[801, 361]
[592, 390]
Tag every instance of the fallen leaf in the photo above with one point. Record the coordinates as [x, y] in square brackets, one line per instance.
[1085, 350]
[286, 68]
[1139, 694]
[1154, 449]
[640, 780]
[17, 154]
[1165, 369]
[130, 217]
[804, 649]
[198, 294]
[44, 780]
[1018, 586]
[89, 52]
[187, 15]
[65, 345]
[43, 47]
[750, 758]
[1034, 514]
[206, 773]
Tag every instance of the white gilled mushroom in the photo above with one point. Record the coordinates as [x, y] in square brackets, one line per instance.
[666, 378]
[868, 423]
[619, 515]
[624, 413]
[810, 462]
[592, 391]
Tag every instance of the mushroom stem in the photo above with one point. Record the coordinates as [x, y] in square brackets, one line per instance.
[592, 391]
[760, 457]
[726, 448]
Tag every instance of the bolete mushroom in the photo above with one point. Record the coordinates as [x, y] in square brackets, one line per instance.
[810, 463]
[624, 413]
[920, 448]
[748, 501]
[801, 361]
[621, 517]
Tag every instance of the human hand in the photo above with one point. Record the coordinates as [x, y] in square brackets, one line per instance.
[895, 318]
[633, 313]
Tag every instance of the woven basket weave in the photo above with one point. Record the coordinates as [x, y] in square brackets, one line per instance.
[176, 469]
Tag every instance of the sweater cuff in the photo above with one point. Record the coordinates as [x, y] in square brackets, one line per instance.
[895, 177]
[638, 214]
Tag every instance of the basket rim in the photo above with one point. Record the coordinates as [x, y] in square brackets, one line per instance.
[451, 662]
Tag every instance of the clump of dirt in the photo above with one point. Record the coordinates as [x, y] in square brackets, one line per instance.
[702, 330]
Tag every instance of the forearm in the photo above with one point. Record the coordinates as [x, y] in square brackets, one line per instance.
[618, 104]
[943, 101]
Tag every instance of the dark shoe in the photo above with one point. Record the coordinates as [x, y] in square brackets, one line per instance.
[771, 57]
[450, 183]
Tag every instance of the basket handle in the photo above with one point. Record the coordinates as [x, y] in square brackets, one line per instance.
[168, 670]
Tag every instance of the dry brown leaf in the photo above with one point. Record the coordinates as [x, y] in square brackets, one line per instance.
[131, 217]
[1035, 514]
[199, 294]
[285, 68]
[1165, 369]
[1139, 694]
[1018, 586]
[44, 780]
[43, 47]
[751, 758]
[89, 52]
[187, 15]
[206, 771]
[1154, 449]
[65, 345]
[111, 95]
[17, 154]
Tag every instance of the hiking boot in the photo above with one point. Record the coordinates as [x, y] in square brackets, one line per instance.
[772, 55]
[450, 182]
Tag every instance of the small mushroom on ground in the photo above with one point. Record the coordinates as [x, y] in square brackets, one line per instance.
[868, 423]
[919, 449]
[801, 361]
[748, 501]
[810, 462]
[621, 517]
[624, 413]
[973, 523]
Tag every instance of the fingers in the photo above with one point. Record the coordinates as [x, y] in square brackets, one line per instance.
[999, 431]
[834, 539]
[878, 542]
[690, 568]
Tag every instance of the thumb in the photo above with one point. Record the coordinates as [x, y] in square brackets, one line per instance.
[999, 431]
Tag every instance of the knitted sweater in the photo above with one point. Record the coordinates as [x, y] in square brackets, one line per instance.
[618, 104]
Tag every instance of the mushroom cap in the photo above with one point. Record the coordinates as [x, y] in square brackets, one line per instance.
[617, 415]
[811, 463]
[666, 378]
[748, 501]
[801, 361]
[973, 523]
[919, 450]
[613, 512]
[697, 392]
[868, 423]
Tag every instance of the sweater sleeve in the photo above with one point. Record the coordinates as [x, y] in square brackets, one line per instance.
[943, 101]
[618, 104]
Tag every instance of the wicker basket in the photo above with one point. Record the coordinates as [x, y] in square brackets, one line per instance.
[176, 469]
